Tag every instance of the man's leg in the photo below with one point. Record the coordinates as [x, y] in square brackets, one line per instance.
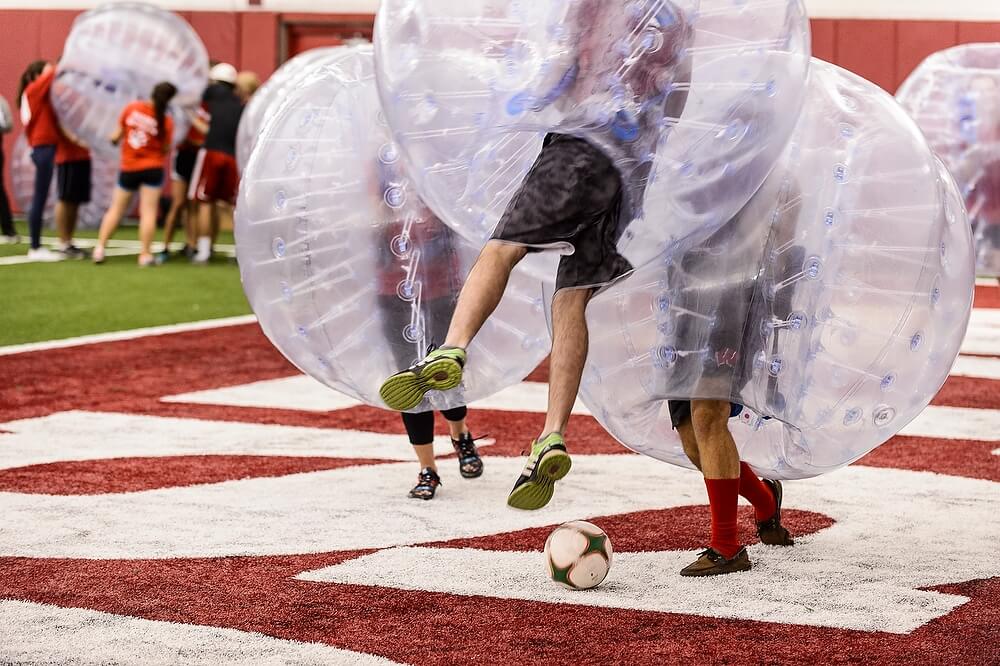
[570, 341]
[720, 463]
[483, 290]
[441, 369]
[549, 461]
[205, 210]
[6, 218]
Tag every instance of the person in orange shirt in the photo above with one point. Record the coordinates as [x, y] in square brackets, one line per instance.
[180, 206]
[147, 131]
[73, 182]
[42, 131]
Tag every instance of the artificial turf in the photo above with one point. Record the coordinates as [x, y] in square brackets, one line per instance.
[71, 298]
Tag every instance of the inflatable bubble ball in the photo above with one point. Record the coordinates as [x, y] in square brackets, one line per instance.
[269, 96]
[831, 308]
[954, 96]
[114, 55]
[104, 180]
[350, 275]
[693, 101]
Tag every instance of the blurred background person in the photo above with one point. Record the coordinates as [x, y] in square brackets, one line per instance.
[73, 185]
[42, 131]
[7, 229]
[147, 131]
[247, 84]
[182, 209]
[216, 177]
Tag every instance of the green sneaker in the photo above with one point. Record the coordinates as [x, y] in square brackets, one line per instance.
[547, 464]
[440, 370]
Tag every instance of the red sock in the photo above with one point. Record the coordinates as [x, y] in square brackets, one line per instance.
[723, 497]
[757, 493]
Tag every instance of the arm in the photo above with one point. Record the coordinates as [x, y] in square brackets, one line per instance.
[197, 121]
[117, 135]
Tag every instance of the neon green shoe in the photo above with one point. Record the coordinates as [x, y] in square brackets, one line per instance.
[547, 464]
[440, 370]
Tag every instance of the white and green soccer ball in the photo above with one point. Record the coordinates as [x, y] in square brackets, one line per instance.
[578, 555]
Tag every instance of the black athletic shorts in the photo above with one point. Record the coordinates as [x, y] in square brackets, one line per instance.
[130, 181]
[680, 411]
[572, 197]
[73, 181]
[184, 164]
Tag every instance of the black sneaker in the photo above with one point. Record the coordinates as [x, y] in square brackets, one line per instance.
[771, 531]
[440, 370]
[470, 465]
[73, 252]
[547, 463]
[711, 562]
[427, 484]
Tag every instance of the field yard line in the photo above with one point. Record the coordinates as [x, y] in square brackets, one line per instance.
[117, 336]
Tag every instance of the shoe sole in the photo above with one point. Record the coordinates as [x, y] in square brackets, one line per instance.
[407, 389]
[718, 571]
[533, 495]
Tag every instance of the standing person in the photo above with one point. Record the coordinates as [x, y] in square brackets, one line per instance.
[147, 131]
[7, 229]
[436, 287]
[73, 183]
[247, 84]
[42, 130]
[181, 207]
[216, 177]
[572, 196]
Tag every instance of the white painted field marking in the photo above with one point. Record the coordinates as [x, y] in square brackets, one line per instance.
[956, 423]
[40, 633]
[99, 436]
[976, 367]
[118, 336]
[115, 248]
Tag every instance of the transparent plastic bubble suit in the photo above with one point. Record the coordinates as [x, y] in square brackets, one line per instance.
[954, 96]
[103, 175]
[832, 306]
[680, 95]
[350, 275]
[116, 54]
[269, 96]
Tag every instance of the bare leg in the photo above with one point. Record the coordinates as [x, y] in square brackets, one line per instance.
[457, 428]
[569, 354]
[66, 221]
[119, 204]
[483, 290]
[191, 224]
[205, 213]
[149, 205]
[688, 441]
[425, 454]
[717, 452]
[178, 205]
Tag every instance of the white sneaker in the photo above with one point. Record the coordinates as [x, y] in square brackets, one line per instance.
[12, 240]
[45, 254]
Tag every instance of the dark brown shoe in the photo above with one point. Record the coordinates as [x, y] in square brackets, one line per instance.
[771, 531]
[710, 562]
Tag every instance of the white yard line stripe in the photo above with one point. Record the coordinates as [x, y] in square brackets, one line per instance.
[132, 334]
[987, 282]
[116, 248]
[977, 367]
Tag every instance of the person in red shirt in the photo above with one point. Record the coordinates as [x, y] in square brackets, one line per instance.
[42, 131]
[180, 206]
[73, 181]
[145, 132]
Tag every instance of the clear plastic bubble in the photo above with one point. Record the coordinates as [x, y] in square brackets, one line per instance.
[349, 288]
[833, 336]
[103, 180]
[116, 54]
[269, 96]
[954, 96]
[693, 100]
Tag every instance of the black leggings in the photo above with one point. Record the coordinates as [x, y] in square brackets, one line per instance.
[420, 427]
[44, 158]
[6, 219]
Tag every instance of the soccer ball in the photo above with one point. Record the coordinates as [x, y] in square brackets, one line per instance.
[578, 555]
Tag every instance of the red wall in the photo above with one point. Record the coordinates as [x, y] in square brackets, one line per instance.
[883, 51]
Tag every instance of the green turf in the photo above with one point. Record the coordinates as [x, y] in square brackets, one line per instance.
[71, 298]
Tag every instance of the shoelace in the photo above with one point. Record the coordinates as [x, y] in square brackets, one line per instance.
[428, 478]
[467, 446]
